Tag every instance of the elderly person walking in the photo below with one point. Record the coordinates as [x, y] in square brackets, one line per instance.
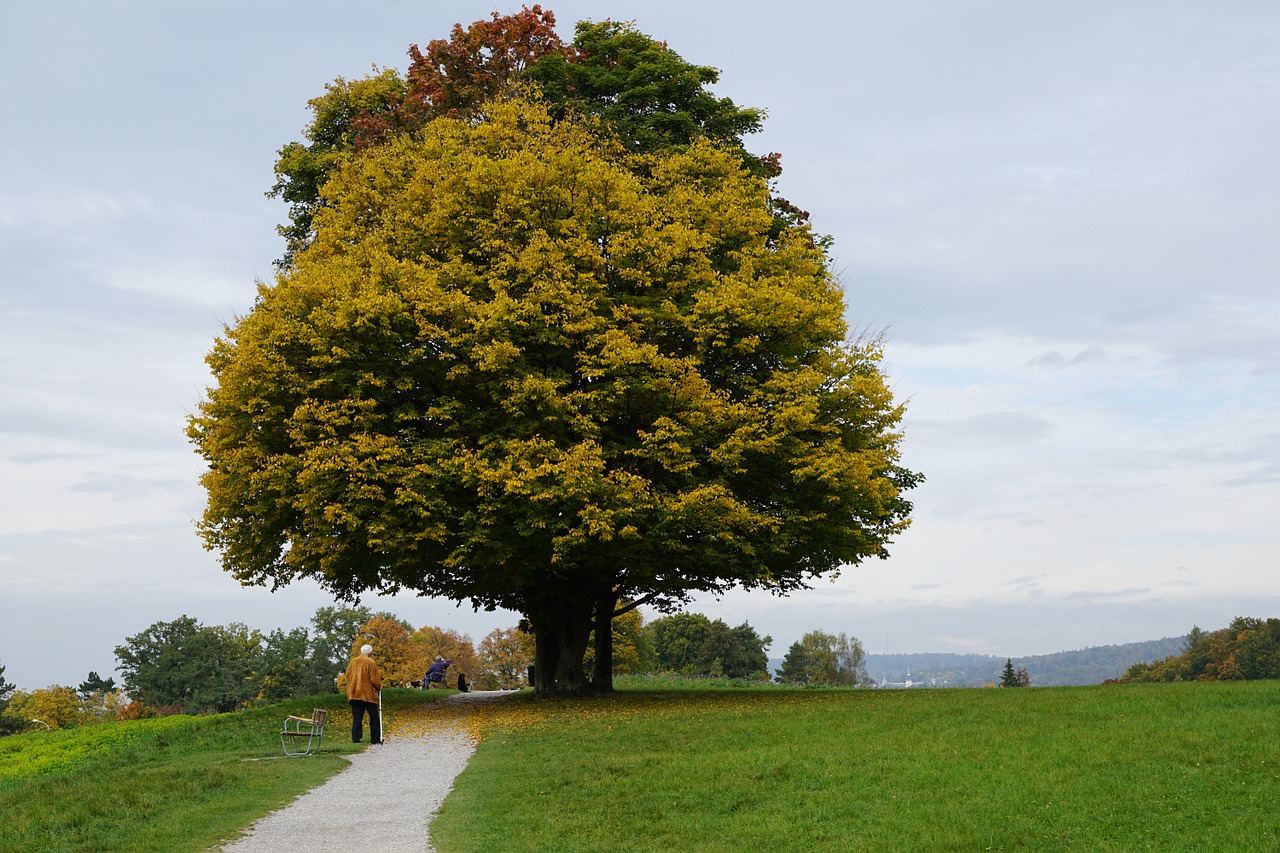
[364, 682]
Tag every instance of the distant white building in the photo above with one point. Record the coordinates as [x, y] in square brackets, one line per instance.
[908, 683]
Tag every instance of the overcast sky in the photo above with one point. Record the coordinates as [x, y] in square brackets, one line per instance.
[1063, 214]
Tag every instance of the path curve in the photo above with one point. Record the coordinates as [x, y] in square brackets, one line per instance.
[385, 798]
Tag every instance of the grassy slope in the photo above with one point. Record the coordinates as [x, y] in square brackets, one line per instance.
[1167, 767]
[172, 784]
[165, 785]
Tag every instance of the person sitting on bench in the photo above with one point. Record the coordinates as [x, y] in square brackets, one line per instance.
[435, 673]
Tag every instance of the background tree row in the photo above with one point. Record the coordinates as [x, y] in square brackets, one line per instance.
[822, 659]
[1247, 649]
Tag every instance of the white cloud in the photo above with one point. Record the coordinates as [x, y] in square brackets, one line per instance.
[59, 210]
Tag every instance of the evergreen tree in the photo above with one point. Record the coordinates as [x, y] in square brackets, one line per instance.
[8, 724]
[797, 665]
[1014, 677]
[95, 684]
[1008, 678]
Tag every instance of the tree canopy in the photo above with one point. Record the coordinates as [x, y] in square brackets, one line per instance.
[190, 666]
[95, 684]
[506, 655]
[692, 644]
[1247, 649]
[451, 645]
[819, 658]
[332, 630]
[524, 364]
[648, 95]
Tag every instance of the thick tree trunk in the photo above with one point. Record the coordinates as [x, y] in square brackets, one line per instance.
[546, 658]
[602, 671]
[560, 644]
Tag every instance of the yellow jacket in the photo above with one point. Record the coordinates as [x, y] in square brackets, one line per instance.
[363, 679]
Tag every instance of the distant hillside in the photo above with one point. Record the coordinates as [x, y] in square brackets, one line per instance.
[1086, 666]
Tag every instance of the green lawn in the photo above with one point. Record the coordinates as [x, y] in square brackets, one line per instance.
[1177, 767]
[165, 785]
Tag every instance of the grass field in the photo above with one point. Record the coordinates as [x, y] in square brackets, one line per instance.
[164, 785]
[1177, 767]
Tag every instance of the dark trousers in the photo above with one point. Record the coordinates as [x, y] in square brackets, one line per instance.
[358, 709]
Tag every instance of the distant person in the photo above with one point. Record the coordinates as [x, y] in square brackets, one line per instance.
[462, 682]
[435, 672]
[364, 683]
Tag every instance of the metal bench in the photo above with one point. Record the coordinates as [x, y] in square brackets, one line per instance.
[296, 729]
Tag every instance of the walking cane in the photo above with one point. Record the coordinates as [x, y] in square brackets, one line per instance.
[381, 735]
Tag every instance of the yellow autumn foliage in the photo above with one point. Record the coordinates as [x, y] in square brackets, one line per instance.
[522, 366]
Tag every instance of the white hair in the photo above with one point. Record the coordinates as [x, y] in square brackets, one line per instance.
[366, 649]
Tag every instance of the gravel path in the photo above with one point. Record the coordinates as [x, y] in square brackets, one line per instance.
[385, 798]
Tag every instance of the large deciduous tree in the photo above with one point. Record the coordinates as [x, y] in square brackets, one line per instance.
[519, 367]
[522, 364]
[332, 632]
[820, 658]
[692, 644]
[400, 660]
[505, 655]
[281, 667]
[453, 646]
[737, 652]
[55, 706]
[303, 167]
[190, 666]
[678, 642]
